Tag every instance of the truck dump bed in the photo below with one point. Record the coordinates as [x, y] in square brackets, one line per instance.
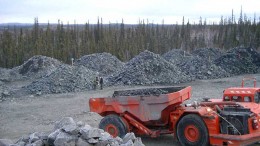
[143, 104]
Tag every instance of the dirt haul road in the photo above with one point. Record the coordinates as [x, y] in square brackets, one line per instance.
[24, 115]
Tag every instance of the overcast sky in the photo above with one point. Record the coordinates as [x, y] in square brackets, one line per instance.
[171, 11]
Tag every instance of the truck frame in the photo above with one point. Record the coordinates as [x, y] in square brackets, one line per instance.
[233, 120]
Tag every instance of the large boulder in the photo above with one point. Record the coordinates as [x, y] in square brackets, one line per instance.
[65, 139]
[34, 139]
[128, 137]
[66, 121]
[82, 142]
[91, 133]
[53, 135]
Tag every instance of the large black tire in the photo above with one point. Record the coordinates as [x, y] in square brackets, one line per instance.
[114, 125]
[192, 131]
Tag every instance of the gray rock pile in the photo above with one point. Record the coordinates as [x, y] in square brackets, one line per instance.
[247, 53]
[209, 54]
[148, 68]
[103, 63]
[5, 74]
[38, 66]
[68, 132]
[240, 60]
[64, 79]
[199, 68]
[8, 75]
[35, 67]
[4, 91]
[177, 56]
[195, 66]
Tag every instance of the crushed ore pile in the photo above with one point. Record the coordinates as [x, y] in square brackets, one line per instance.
[209, 54]
[176, 66]
[199, 68]
[195, 66]
[148, 68]
[67, 132]
[9, 75]
[240, 60]
[102, 63]
[4, 91]
[177, 56]
[38, 66]
[64, 79]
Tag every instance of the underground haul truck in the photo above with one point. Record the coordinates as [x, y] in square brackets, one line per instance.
[233, 120]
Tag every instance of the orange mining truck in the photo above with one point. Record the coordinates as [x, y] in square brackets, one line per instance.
[233, 120]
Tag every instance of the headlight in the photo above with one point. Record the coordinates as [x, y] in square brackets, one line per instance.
[247, 99]
[235, 97]
[226, 98]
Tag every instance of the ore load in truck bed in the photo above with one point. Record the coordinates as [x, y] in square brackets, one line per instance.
[147, 91]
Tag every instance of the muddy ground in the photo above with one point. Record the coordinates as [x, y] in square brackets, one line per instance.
[27, 114]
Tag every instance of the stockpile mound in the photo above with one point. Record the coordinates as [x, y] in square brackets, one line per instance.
[38, 66]
[8, 75]
[199, 68]
[247, 53]
[5, 74]
[195, 66]
[240, 60]
[148, 68]
[64, 79]
[103, 63]
[4, 91]
[209, 54]
[177, 56]
[68, 132]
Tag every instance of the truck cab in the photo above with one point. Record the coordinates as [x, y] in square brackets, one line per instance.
[242, 94]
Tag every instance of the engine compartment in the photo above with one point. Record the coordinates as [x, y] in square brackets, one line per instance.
[234, 120]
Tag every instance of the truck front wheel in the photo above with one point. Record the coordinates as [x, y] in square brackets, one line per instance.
[191, 131]
[113, 125]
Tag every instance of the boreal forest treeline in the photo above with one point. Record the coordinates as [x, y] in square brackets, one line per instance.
[66, 41]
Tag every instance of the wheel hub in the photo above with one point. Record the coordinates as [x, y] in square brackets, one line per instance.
[191, 132]
[112, 130]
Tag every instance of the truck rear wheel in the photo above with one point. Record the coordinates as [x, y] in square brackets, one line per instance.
[114, 125]
[191, 131]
